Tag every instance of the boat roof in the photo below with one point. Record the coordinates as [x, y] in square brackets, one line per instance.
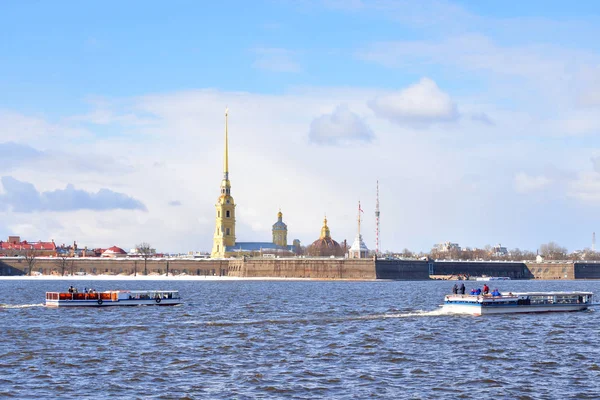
[547, 293]
[132, 291]
[143, 291]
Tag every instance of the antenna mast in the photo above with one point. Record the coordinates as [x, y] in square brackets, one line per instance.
[593, 241]
[377, 221]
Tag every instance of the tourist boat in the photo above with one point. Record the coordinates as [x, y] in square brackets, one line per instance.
[527, 302]
[114, 298]
[492, 278]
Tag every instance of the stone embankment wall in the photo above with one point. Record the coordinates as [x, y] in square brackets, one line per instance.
[402, 269]
[589, 270]
[553, 270]
[315, 268]
[514, 270]
[7, 269]
[54, 266]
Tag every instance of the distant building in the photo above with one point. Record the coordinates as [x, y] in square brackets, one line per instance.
[499, 251]
[359, 248]
[114, 252]
[446, 247]
[280, 231]
[15, 247]
[325, 245]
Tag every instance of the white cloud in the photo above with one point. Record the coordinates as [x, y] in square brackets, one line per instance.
[342, 126]
[420, 105]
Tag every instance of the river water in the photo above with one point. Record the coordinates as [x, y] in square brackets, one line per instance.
[294, 339]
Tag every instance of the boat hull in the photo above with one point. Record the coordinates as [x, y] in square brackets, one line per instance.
[111, 303]
[478, 309]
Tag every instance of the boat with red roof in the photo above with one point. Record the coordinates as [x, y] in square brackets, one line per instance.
[112, 298]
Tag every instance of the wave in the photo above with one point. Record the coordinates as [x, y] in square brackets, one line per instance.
[21, 305]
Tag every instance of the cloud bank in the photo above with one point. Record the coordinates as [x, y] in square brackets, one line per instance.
[24, 197]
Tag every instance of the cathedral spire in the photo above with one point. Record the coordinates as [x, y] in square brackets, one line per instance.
[226, 162]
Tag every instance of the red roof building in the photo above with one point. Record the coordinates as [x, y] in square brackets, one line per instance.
[114, 252]
[15, 247]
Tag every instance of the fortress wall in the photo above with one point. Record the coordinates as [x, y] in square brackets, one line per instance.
[118, 266]
[319, 268]
[316, 268]
[556, 270]
[515, 270]
[402, 269]
[7, 269]
[587, 270]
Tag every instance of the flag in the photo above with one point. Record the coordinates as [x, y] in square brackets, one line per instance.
[360, 209]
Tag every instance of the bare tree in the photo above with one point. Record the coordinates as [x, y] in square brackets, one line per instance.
[30, 258]
[516, 255]
[62, 261]
[406, 253]
[146, 251]
[553, 251]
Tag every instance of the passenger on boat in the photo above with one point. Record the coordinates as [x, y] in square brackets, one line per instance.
[473, 292]
[455, 289]
[461, 288]
[495, 293]
[478, 292]
[486, 289]
[71, 289]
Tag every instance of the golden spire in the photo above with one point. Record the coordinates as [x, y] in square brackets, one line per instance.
[226, 166]
[325, 233]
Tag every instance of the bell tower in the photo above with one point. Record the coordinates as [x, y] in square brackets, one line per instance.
[225, 222]
[280, 231]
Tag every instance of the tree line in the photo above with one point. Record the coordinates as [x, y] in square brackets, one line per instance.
[550, 251]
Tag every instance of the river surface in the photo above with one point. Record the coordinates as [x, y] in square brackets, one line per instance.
[294, 339]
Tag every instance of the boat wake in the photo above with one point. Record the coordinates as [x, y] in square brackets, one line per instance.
[323, 320]
[21, 305]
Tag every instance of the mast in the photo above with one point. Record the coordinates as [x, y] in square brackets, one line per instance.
[359, 211]
[377, 221]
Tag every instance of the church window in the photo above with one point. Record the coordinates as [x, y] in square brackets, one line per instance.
[219, 214]
[217, 248]
[228, 231]
[227, 214]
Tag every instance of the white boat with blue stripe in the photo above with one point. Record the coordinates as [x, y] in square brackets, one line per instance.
[509, 303]
[114, 298]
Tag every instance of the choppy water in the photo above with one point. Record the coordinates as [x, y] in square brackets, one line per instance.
[290, 339]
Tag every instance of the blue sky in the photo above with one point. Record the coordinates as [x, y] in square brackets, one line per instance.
[467, 112]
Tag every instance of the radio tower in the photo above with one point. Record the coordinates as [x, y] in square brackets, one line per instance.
[377, 222]
[593, 241]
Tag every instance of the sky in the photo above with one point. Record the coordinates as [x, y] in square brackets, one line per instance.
[479, 119]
